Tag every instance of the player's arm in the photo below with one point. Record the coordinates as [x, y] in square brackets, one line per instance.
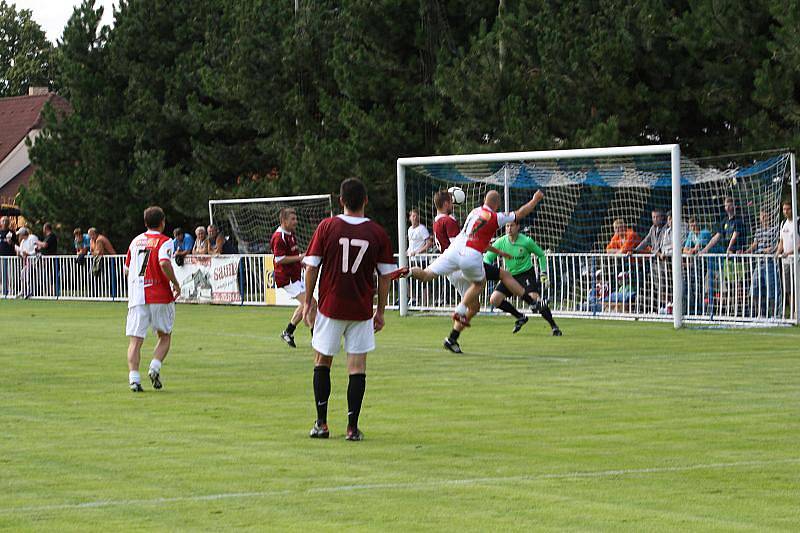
[528, 208]
[289, 259]
[534, 248]
[166, 268]
[490, 256]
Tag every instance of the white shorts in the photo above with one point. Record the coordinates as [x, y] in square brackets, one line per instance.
[295, 288]
[459, 282]
[160, 317]
[359, 335]
[468, 260]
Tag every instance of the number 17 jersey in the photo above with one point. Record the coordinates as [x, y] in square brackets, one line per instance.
[349, 250]
[147, 283]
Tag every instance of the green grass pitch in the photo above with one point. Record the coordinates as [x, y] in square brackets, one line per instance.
[615, 426]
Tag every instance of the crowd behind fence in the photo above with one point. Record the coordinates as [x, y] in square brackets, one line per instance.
[738, 288]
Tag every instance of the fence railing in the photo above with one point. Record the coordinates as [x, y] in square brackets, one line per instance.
[738, 288]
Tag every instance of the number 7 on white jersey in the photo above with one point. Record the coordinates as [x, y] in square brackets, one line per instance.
[346, 243]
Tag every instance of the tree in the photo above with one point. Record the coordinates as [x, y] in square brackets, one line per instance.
[25, 52]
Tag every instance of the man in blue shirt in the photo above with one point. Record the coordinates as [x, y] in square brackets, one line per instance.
[183, 244]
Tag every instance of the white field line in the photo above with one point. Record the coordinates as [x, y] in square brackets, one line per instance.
[415, 485]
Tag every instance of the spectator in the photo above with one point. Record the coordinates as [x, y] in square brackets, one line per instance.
[28, 251]
[696, 239]
[99, 244]
[731, 231]
[8, 240]
[655, 240]
[787, 245]
[419, 239]
[764, 289]
[201, 241]
[49, 246]
[216, 241]
[665, 250]
[82, 244]
[182, 245]
[624, 239]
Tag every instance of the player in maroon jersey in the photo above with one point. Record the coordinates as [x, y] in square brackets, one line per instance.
[445, 225]
[151, 301]
[289, 270]
[350, 249]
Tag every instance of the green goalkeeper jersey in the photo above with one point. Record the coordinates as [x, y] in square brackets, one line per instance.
[520, 252]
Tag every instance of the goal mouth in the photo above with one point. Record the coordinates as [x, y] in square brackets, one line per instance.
[594, 196]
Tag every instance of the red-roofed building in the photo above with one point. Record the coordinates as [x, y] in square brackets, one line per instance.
[20, 119]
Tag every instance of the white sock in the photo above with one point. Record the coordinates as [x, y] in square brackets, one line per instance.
[155, 364]
[134, 377]
[461, 309]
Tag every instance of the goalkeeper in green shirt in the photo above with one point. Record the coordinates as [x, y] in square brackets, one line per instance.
[520, 247]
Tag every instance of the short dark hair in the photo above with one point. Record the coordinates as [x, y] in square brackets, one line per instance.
[178, 230]
[440, 198]
[787, 202]
[353, 193]
[413, 210]
[658, 210]
[47, 226]
[284, 213]
[153, 217]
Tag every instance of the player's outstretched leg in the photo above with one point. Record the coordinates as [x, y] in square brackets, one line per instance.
[498, 300]
[540, 306]
[357, 368]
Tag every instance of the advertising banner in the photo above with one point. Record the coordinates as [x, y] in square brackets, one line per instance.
[206, 279]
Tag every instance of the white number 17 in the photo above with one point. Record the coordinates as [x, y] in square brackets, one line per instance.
[346, 244]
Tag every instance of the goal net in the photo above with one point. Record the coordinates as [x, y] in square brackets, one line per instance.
[250, 222]
[589, 193]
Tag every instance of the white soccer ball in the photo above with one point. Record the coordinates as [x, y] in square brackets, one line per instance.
[457, 194]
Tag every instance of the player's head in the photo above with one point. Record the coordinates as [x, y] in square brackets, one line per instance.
[787, 209]
[288, 218]
[443, 202]
[154, 218]
[413, 217]
[512, 228]
[492, 200]
[353, 194]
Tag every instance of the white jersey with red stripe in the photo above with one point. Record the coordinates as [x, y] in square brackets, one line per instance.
[481, 226]
[147, 283]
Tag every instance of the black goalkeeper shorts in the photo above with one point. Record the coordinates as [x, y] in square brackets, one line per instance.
[528, 279]
[492, 272]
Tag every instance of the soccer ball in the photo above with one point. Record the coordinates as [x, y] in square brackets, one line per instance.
[457, 194]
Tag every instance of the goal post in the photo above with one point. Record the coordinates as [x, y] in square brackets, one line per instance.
[587, 191]
[252, 221]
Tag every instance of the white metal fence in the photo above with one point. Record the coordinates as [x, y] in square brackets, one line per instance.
[740, 288]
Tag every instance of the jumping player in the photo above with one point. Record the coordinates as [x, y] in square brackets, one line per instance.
[349, 248]
[289, 270]
[151, 302]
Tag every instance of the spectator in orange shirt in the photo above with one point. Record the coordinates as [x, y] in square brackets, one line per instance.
[624, 239]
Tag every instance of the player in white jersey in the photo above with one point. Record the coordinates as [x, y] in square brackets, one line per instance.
[151, 300]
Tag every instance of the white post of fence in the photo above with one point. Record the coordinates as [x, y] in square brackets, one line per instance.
[677, 226]
[795, 263]
[401, 235]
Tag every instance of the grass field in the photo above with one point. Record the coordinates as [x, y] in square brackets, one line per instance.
[615, 426]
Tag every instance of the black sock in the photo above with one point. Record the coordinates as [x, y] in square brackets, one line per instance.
[527, 299]
[290, 328]
[454, 335]
[322, 391]
[355, 395]
[546, 314]
[510, 309]
[312, 331]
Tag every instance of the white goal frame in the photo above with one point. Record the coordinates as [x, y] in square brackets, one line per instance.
[673, 150]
